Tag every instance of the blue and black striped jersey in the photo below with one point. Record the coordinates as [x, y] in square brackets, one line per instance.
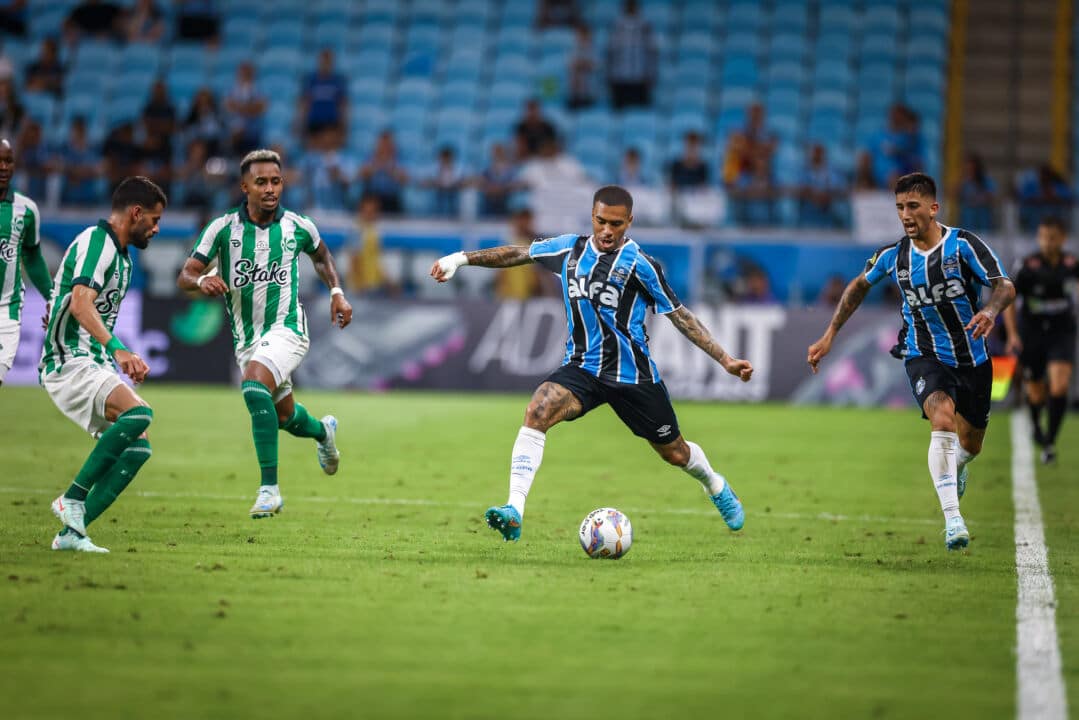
[940, 294]
[607, 296]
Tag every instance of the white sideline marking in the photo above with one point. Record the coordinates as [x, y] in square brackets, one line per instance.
[1040, 684]
[825, 516]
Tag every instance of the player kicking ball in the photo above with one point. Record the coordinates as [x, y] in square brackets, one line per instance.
[939, 271]
[257, 247]
[608, 285]
[76, 361]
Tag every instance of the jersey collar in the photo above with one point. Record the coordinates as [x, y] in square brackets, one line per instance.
[104, 225]
[278, 214]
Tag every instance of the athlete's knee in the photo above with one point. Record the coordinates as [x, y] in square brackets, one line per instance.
[136, 420]
[539, 415]
[940, 409]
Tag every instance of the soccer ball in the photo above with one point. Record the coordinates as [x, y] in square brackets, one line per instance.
[606, 533]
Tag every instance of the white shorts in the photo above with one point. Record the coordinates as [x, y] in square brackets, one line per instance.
[9, 343]
[281, 351]
[80, 388]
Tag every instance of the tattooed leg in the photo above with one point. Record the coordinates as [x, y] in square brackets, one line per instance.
[551, 404]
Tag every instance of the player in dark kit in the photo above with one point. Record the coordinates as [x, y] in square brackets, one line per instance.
[608, 285]
[1045, 335]
[939, 270]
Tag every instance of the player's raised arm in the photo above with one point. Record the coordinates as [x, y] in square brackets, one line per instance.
[853, 296]
[193, 279]
[688, 324]
[499, 257]
[340, 309]
[85, 313]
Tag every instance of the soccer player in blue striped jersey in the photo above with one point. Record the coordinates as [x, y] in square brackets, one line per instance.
[608, 286]
[940, 271]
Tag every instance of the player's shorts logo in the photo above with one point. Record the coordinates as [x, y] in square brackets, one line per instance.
[663, 430]
[919, 387]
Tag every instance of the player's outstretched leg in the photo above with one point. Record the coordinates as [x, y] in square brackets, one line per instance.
[260, 405]
[525, 461]
[716, 486]
[942, 468]
[324, 431]
[70, 507]
[68, 539]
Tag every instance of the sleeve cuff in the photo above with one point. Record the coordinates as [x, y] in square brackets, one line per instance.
[88, 282]
[201, 258]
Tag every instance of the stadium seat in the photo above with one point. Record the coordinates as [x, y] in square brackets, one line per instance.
[743, 17]
[790, 16]
[928, 19]
[838, 18]
[740, 71]
[833, 46]
[736, 97]
[783, 101]
[883, 19]
[786, 74]
[788, 46]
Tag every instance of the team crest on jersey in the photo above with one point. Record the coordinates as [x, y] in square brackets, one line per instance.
[620, 274]
[290, 242]
[16, 226]
[950, 263]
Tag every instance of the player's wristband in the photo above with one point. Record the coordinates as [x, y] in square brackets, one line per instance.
[198, 282]
[450, 263]
[114, 346]
[336, 291]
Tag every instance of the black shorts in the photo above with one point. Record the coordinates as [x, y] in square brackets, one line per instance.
[1043, 347]
[969, 388]
[645, 408]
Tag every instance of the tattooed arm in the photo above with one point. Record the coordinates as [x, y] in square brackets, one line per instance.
[1002, 296]
[853, 296]
[499, 257]
[688, 324]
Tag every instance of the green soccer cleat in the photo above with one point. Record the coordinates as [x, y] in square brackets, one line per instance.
[956, 536]
[505, 520]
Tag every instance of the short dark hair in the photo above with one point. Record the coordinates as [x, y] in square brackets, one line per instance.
[1054, 222]
[916, 183]
[138, 190]
[256, 156]
[613, 195]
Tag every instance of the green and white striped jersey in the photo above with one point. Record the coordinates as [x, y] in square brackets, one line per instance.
[96, 260]
[19, 229]
[259, 265]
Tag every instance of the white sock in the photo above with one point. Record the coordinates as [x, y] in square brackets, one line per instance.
[527, 456]
[942, 467]
[699, 468]
[962, 457]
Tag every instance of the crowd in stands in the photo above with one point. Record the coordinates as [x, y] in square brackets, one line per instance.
[192, 153]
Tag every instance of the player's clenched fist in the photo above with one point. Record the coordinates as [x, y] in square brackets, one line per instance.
[212, 285]
[817, 351]
[132, 365]
[742, 369]
[445, 267]
[340, 310]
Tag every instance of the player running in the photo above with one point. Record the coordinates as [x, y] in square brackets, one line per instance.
[938, 270]
[1045, 335]
[256, 247]
[608, 285]
[20, 245]
[80, 349]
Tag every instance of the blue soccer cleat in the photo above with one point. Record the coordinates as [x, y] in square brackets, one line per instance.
[505, 520]
[730, 507]
[961, 482]
[956, 536]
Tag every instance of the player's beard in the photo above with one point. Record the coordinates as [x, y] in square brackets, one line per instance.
[140, 239]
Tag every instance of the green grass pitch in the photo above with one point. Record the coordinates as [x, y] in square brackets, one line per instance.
[380, 593]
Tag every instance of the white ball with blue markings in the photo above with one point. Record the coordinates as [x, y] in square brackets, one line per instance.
[606, 534]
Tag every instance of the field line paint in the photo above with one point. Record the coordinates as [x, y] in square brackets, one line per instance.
[1039, 681]
[422, 502]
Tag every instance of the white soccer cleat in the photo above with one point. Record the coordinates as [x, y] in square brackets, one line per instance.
[78, 543]
[70, 513]
[328, 455]
[268, 502]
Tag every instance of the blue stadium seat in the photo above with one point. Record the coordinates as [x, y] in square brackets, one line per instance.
[414, 92]
[834, 46]
[728, 120]
[46, 21]
[783, 101]
[832, 75]
[928, 19]
[369, 63]
[743, 17]
[787, 128]
[123, 109]
[334, 35]
[790, 16]
[459, 94]
[693, 72]
[786, 74]
[280, 86]
[505, 94]
[95, 54]
[696, 45]
[595, 124]
[659, 14]
[736, 97]
[788, 46]
[189, 56]
[882, 19]
[874, 101]
[284, 32]
[878, 47]
[926, 50]
[744, 43]
[383, 11]
[683, 122]
[830, 100]
[374, 37]
[739, 70]
[828, 127]
[40, 106]
[838, 19]
[141, 55]
[418, 62]
[692, 98]
[638, 125]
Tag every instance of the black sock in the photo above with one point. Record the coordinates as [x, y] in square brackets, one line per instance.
[1058, 405]
[1036, 419]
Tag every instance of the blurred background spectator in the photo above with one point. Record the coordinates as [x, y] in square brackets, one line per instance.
[197, 20]
[326, 171]
[12, 111]
[523, 281]
[631, 59]
[534, 129]
[366, 275]
[46, 73]
[1042, 193]
[383, 176]
[144, 23]
[205, 123]
[13, 17]
[82, 165]
[498, 182]
[246, 106]
[446, 181]
[977, 195]
[557, 13]
[582, 70]
[325, 97]
[822, 192]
